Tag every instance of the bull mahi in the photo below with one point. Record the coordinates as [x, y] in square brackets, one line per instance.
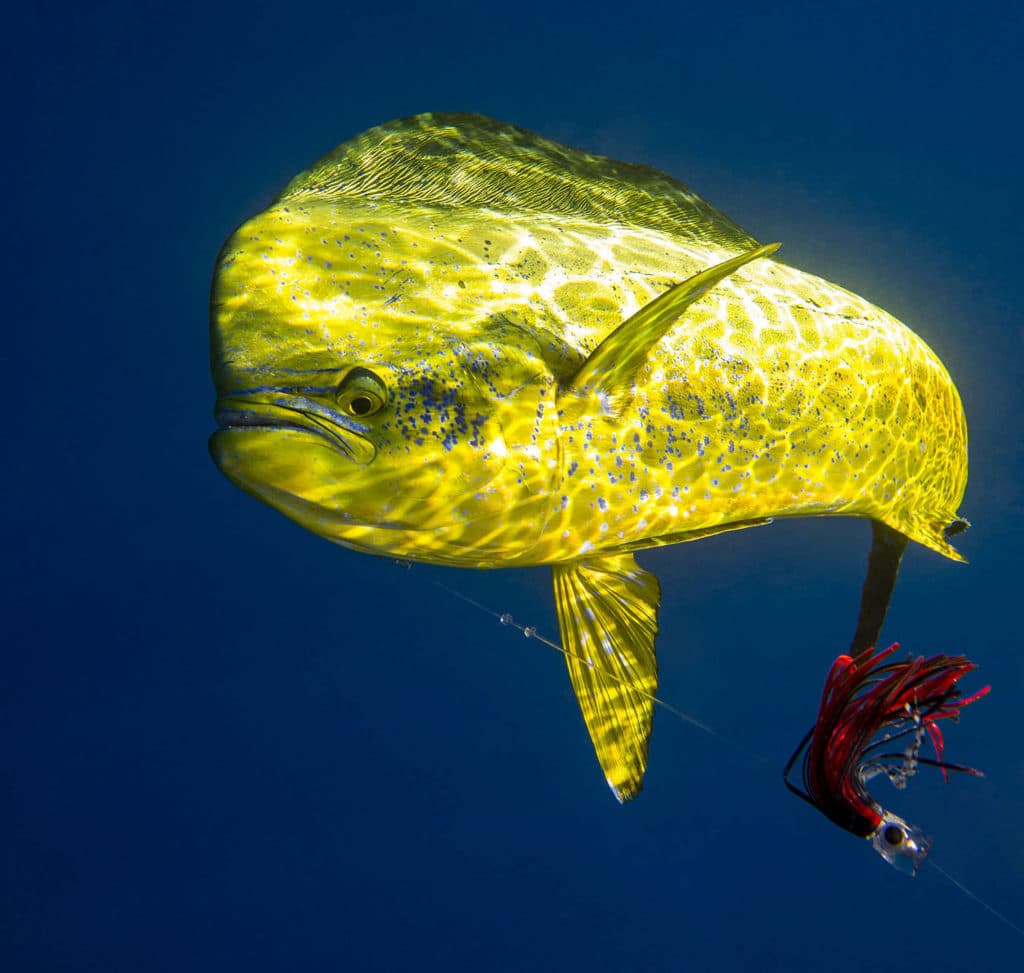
[454, 341]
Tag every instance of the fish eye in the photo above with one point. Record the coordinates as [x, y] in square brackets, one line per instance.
[361, 394]
[893, 835]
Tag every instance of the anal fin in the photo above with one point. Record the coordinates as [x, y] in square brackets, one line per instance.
[608, 618]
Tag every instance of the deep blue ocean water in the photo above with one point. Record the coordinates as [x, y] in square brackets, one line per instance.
[229, 745]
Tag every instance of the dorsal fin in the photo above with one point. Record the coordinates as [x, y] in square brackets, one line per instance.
[474, 162]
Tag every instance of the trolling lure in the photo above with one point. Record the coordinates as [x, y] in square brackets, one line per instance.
[867, 704]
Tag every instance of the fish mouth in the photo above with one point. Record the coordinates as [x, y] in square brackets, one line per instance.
[240, 417]
[298, 461]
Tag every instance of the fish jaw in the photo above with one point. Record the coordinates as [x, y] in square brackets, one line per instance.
[303, 414]
[302, 466]
[428, 514]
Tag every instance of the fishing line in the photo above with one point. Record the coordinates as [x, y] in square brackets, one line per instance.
[530, 632]
[971, 895]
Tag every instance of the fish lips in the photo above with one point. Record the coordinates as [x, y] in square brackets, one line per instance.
[318, 423]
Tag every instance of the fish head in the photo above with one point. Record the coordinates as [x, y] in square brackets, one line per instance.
[364, 393]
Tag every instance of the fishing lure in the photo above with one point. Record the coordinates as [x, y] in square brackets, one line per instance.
[868, 703]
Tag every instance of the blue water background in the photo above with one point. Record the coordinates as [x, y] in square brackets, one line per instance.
[229, 745]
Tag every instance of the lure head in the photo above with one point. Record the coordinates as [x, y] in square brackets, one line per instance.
[901, 844]
[363, 395]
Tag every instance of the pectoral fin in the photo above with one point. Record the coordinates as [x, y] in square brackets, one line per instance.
[608, 617]
[611, 366]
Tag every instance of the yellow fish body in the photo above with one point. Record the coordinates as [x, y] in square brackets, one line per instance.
[453, 341]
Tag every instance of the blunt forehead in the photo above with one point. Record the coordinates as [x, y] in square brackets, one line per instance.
[369, 265]
[286, 287]
[320, 286]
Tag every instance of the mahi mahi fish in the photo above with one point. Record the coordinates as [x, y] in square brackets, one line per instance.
[454, 341]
